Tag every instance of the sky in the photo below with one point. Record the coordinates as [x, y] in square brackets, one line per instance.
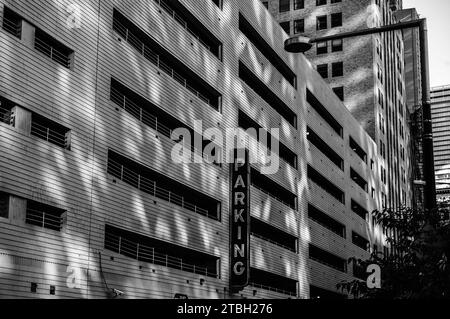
[437, 13]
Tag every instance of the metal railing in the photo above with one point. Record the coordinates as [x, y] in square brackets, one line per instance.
[156, 59]
[52, 53]
[44, 219]
[277, 290]
[5, 116]
[273, 242]
[275, 197]
[164, 5]
[148, 119]
[13, 28]
[324, 225]
[150, 187]
[139, 113]
[341, 269]
[261, 148]
[141, 252]
[48, 134]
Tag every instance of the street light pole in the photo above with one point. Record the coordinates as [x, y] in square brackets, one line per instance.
[300, 44]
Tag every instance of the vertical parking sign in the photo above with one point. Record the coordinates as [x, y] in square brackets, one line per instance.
[240, 221]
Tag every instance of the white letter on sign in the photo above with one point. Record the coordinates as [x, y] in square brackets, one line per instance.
[239, 198]
[239, 182]
[238, 216]
[239, 250]
[238, 268]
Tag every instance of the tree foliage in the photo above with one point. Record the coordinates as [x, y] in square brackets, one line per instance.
[417, 264]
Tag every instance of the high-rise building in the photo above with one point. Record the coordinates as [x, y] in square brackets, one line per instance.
[440, 110]
[411, 47]
[92, 201]
[367, 72]
[413, 90]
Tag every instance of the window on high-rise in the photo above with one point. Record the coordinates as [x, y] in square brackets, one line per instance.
[6, 107]
[260, 88]
[383, 200]
[360, 241]
[4, 205]
[328, 259]
[286, 26]
[323, 70]
[337, 69]
[359, 210]
[270, 281]
[380, 99]
[336, 1]
[324, 148]
[358, 150]
[44, 216]
[299, 4]
[383, 175]
[400, 86]
[246, 122]
[337, 45]
[321, 2]
[380, 74]
[53, 49]
[336, 20]
[382, 149]
[326, 221]
[273, 189]
[266, 4]
[272, 234]
[322, 22]
[322, 47]
[255, 38]
[158, 252]
[299, 26]
[161, 186]
[284, 6]
[12, 22]
[359, 180]
[218, 3]
[381, 122]
[50, 131]
[326, 185]
[158, 55]
[339, 91]
[321, 110]
[193, 26]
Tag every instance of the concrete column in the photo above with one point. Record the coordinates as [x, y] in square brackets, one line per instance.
[28, 34]
[22, 119]
[17, 210]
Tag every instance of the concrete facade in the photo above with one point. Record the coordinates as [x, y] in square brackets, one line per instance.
[440, 111]
[72, 226]
[373, 80]
[413, 88]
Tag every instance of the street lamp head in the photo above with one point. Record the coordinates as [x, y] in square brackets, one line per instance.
[297, 44]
